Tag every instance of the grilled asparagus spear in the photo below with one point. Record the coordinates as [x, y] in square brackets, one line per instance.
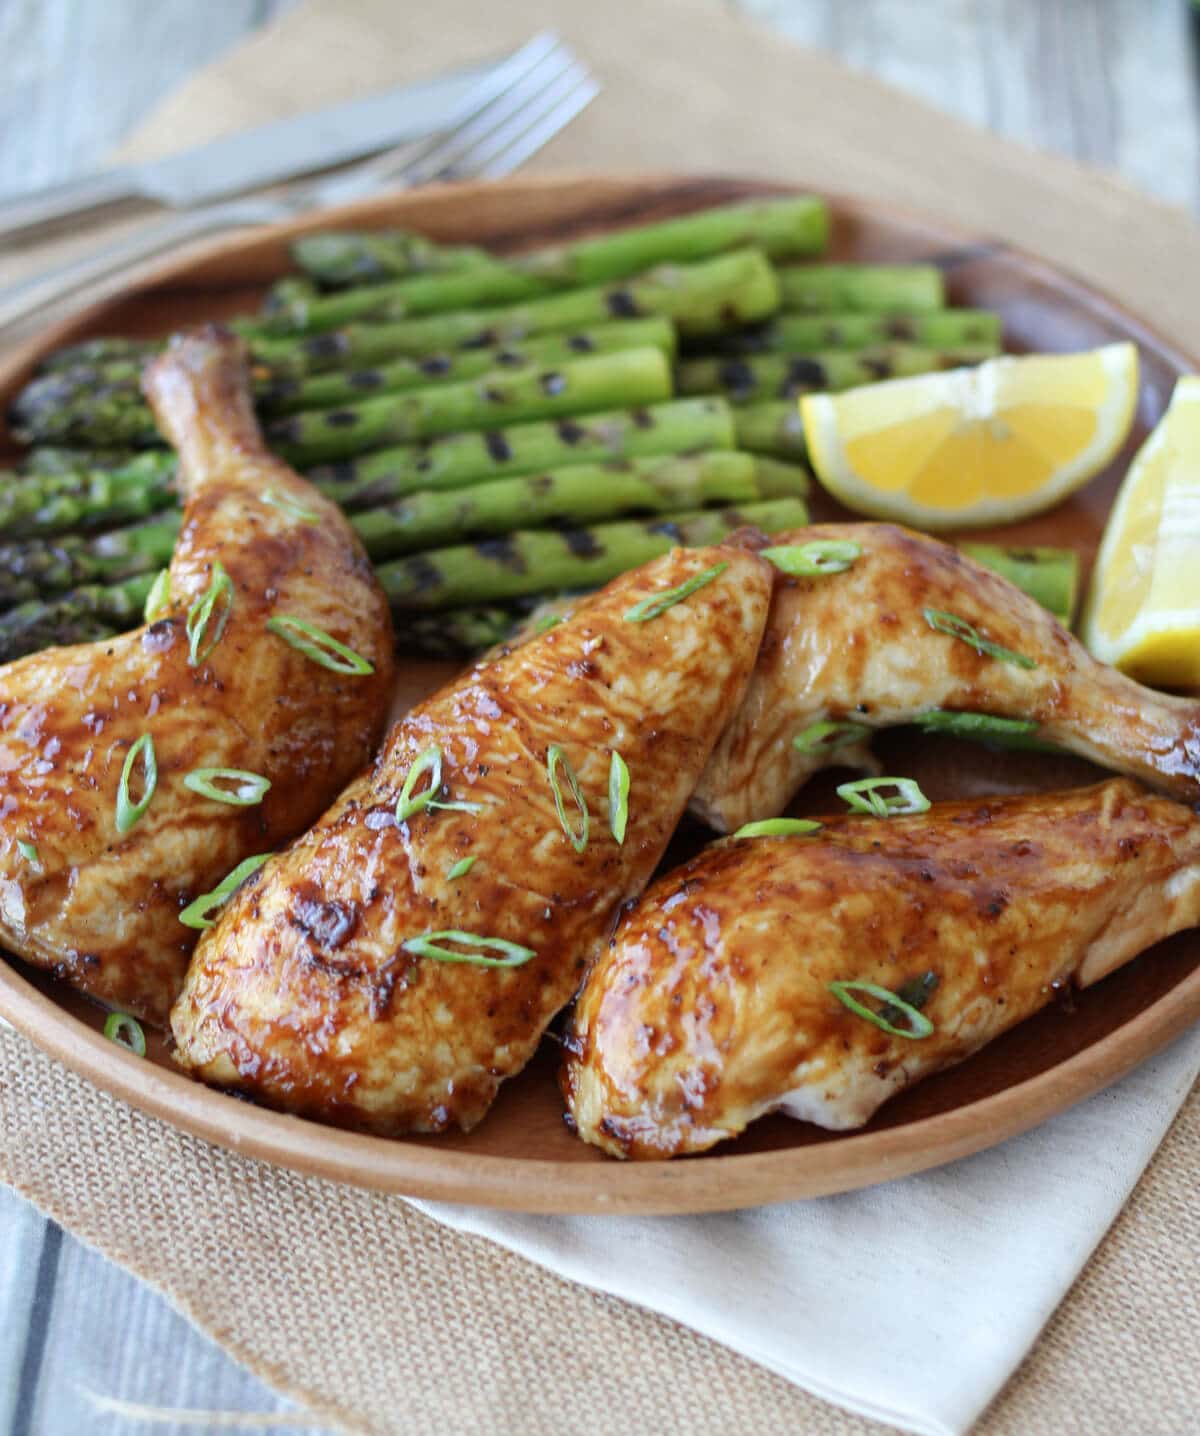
[634, 376]
[523, 563]
[779, 227]
[488, 282]
[36, 505]
[455, 632]
[771, 426]
[579, 494]
[33, 505]
[1049, 575]
[810, 333]
[288, 395]
[60, 408]
[783, 376]
[702, 298]
[39, 568]
[870, 288]
[49, 459]
[530, 561]
[339, 258]
[1038, 572]
[540, 561]
[77, 617]
[101, 351]
[37, 409]
[734, 289]
[685, 426]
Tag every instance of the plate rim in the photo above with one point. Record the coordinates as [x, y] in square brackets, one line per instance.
[706, 1183]
[539, 1186]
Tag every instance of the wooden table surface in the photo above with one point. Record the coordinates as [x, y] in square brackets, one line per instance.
[1113, 83]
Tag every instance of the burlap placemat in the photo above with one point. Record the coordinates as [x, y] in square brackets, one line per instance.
[371, 1314]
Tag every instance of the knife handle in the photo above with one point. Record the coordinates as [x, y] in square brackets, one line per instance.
[20, 301]
[56, 202]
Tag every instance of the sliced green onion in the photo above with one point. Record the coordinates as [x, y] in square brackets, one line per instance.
[410, 801]
[462, 868]
[918, 1024]
[219, 591]
[128, 812]
[554, 757]
[916, 992]
[251, 788]
[126, 1032]
[199, 914]
[829, 735]
[288, 505]
[865, 797]
[28, 851]
[158, 600]
[811, 560]
[981, 727]
[778, 828]
[955, 627]
[544, 625]
[656, 603]
[618, 796]
[316, 644]
[428, 945]
[1019, 733]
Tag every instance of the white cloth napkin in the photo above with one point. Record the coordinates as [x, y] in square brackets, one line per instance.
[911, 1303]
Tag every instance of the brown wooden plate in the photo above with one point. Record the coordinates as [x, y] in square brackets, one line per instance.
[522, 1157]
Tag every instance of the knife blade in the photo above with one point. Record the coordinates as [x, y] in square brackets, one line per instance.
[284, 149]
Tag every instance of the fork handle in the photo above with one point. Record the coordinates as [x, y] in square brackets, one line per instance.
[20, 301]
[57, 202]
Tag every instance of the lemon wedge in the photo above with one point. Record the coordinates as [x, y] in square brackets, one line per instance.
[998, 442]
[1143, 607]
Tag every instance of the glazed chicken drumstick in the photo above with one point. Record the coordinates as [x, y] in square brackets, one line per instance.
[820, 975]
[402, 959]
[137, 772]
[912, 625]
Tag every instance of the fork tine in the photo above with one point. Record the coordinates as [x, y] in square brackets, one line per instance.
[368, 176]
[473, 160]
[446, 152]
[541, 127]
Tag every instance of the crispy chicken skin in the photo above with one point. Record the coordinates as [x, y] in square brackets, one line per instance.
[304, 994]
[712, 1005]
[101, 907]
[856, 646]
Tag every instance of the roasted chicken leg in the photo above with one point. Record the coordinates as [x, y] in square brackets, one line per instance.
[92, 875]
[890, 638]
[346, 981]
[716, 1001]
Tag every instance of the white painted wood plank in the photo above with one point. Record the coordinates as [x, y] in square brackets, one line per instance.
[1110, 83]
[21, 1234]
[111, 1338]
[80, 73]
[1156, 80]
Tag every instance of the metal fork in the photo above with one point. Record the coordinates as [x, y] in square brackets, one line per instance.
[519, 107]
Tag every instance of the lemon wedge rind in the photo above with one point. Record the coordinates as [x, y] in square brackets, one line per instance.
[1143, 607]
[967, 447]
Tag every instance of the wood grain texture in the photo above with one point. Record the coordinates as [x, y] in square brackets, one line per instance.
[521, 1157]
[80, 74]
[1105, 82]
